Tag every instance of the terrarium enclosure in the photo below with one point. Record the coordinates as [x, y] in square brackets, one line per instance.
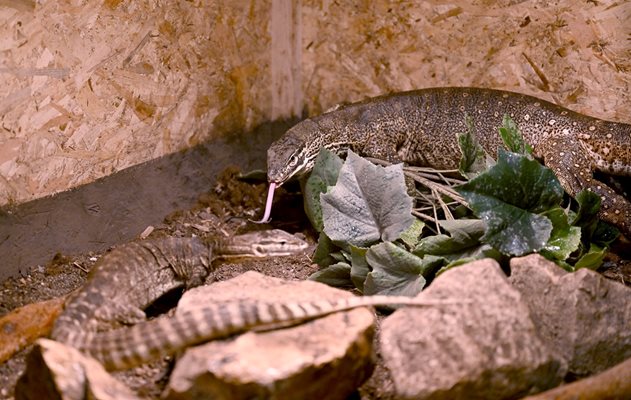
[93, 88]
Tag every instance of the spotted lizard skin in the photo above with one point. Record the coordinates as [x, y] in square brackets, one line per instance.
[420, 127]
[127, 280]
[132, 276]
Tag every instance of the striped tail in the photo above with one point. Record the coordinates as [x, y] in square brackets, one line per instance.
[151, 340]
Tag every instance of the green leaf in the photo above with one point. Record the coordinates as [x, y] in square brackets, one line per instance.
[592, 259]
[340, 256]
[394, 271]
[337, 275]
[368, 203]
[322, 255]
[359, 266]
[514, 231]
[508, 198]
[411, 235]
[587, 215]
[464, 234]
[593, 229]
[474, 158]
[564, 239]
[463, 243]
[326, 169]
[604, 234]
[512, 137]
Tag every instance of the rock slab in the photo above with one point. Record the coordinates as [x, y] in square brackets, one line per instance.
[326, 358]
[485, 349]
[57, 371]
[584, 316]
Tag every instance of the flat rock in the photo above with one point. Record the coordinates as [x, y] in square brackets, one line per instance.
[57, 371]
[582, 315]
[485, 349]
[326, 358]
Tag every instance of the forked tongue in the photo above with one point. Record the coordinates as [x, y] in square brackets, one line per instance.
[268, 204]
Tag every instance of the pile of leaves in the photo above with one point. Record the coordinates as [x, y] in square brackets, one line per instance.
[370, 237]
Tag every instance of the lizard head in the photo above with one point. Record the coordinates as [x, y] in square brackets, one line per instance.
[267, 243]
[294, 153]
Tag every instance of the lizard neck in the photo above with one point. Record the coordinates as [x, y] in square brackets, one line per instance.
[229, 247]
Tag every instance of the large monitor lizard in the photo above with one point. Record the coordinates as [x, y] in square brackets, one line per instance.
[420, 127]
[128, 279]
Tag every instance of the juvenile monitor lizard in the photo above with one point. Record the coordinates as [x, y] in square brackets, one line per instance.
[132, 276]
[419, 128]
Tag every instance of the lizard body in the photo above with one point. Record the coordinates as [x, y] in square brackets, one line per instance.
[128, 347]
[131, 277]
[420, 128]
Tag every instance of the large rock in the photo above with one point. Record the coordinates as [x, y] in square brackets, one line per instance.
[485, 349]
[57, 371]
[325, 358]
[582, 315]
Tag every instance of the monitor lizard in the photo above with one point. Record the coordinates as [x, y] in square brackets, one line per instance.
[129, 278]
[420, 128]
[132, 276]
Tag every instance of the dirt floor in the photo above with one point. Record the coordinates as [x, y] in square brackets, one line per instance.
[224, 210]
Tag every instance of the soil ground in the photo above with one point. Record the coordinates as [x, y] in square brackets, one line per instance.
[213, 215]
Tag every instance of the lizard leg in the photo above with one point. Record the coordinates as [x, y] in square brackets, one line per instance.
[574, 168]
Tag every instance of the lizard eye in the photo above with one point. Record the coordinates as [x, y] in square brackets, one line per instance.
[293, 160]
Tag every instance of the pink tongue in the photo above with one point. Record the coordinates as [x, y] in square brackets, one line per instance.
[268, 204]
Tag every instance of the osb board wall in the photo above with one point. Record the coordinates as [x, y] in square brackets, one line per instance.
[90, 87]
[577, 53]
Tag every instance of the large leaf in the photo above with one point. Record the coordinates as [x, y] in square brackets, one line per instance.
[325, 172]
[508, 198]
[368, 203]
[394, 271]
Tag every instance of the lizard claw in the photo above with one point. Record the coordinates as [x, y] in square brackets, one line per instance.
[268, 205]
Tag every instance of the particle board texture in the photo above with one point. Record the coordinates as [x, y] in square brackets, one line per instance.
[88, 87]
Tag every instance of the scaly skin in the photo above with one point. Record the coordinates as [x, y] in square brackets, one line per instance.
[420, 127]
[129, 347]
[132, 276]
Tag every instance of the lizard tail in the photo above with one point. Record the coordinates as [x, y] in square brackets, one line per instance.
[151, 340]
